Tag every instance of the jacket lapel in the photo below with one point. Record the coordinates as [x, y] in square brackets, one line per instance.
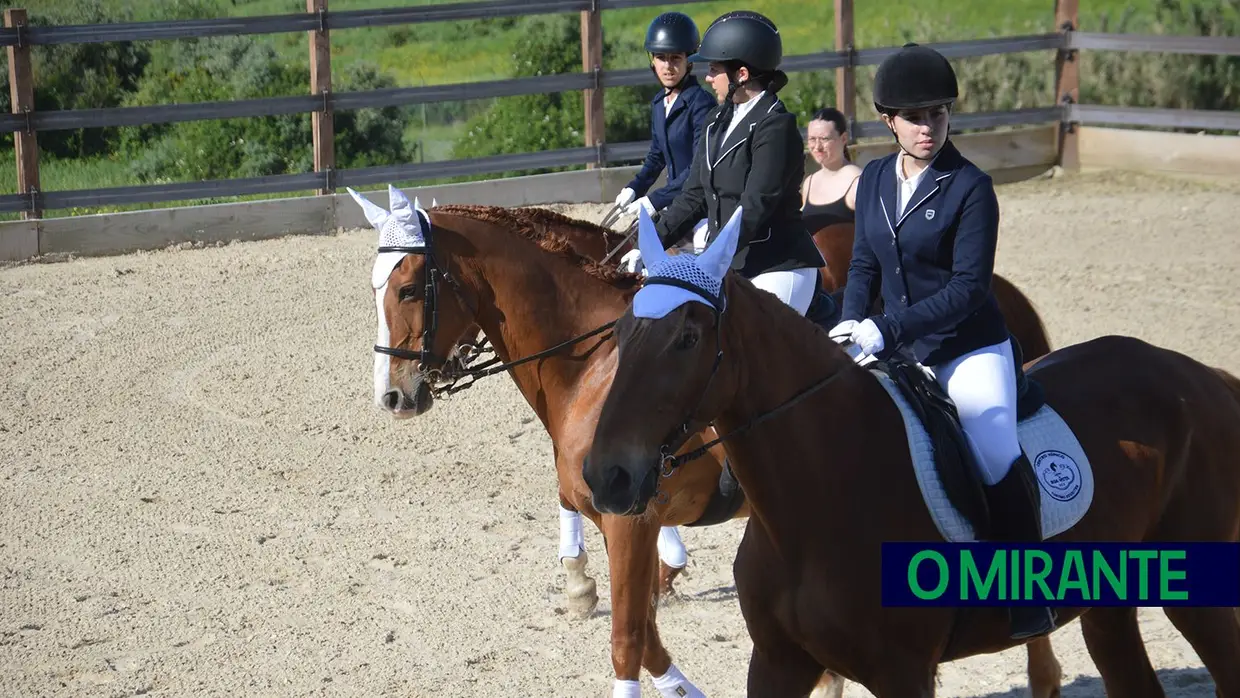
[943, 166]
[741, 132]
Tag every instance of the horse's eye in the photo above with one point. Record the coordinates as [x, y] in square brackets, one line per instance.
[688, 340]
[407, 292]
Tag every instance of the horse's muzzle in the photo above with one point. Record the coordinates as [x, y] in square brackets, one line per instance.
[403, 405]
[621, 489]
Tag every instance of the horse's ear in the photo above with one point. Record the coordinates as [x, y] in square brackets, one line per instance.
[402, 210]
[716, 260]
[648, 242]
[374, 213]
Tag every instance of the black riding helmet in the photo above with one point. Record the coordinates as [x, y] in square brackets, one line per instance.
[744, 37]
[672, 32]
[915, 77]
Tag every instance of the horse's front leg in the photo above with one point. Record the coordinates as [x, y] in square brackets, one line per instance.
[632, 556]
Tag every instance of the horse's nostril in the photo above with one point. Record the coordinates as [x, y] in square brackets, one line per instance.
[392, 399]
[618, 480]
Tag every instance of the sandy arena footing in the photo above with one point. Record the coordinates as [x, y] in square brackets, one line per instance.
[199, 498]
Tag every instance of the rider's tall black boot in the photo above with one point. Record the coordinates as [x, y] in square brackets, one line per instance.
[1016, 517]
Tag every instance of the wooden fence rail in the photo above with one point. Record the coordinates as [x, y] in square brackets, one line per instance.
[323, 102]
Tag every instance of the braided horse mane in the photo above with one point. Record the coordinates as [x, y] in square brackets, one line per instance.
[539, 226]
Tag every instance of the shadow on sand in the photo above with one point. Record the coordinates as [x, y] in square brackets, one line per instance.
[1179, 683]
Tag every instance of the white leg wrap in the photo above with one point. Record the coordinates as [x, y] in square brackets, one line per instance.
[673, 684]
[671, 550]
[571, 540]
[626, 689]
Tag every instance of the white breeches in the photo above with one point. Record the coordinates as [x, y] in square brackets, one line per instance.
[794, 287]
[982, 384]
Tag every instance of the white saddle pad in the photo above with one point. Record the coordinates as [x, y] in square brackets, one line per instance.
[1058, 460]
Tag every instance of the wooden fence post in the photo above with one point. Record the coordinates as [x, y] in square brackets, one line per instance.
[322, 122]
[592, 62]
[846, 77]
[1067, 84]
[21, 92]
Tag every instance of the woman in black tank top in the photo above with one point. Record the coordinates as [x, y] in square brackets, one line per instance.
[828, 136]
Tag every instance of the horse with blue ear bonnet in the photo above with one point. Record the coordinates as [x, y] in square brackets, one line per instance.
[1134, 443]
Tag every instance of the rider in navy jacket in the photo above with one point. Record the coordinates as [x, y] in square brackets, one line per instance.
[927, 224]
[673, 137]
[675, 132]
[940, 252]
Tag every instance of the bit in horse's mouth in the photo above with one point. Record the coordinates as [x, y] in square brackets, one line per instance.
[420, 401]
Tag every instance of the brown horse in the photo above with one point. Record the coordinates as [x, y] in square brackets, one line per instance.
[502, 270]
[1161, 434]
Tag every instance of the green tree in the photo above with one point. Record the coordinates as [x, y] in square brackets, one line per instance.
[533, 123]
[236, 68]
[79, 76]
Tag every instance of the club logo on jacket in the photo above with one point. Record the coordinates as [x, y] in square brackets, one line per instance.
[929, 214]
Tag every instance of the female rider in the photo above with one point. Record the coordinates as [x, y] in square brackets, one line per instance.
[752, 155]
[677, 114]
[927, 223]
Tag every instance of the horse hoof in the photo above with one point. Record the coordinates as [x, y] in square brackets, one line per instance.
[668, 575]
[582, 590]
[581, 605]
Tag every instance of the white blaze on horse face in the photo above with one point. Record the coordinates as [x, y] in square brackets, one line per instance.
[383, 362]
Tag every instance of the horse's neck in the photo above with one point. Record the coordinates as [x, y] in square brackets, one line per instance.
[533, 300]
[790, 456]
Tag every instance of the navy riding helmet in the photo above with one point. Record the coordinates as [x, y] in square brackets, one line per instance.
[915, 77]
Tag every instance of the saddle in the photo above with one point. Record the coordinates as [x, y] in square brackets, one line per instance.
[954, 461]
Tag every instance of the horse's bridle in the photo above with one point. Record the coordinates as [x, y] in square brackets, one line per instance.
[430, 307]
[430, 320]
[668, 463]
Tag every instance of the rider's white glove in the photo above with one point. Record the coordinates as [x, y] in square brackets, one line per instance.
[868, 337]
[632, 261]
[625, 197]
[700, 233]
[843, 331]
[641, 203]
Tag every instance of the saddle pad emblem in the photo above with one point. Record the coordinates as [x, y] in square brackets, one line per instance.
[1059, 475]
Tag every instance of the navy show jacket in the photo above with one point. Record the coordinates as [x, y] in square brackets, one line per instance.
[674, 137]
[933, 264]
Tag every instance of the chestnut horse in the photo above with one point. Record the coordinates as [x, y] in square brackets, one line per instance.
[528, 279]
[829, 479]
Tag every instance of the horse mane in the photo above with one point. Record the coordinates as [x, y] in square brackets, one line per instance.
[547, 219]
[537, 226]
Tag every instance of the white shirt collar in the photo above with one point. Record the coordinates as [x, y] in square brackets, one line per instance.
[906, 187]
[739, 112]
[668, 102]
